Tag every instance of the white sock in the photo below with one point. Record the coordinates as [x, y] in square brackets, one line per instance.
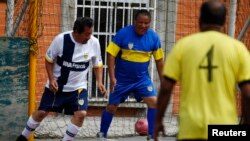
[71, 132]
[30, 127]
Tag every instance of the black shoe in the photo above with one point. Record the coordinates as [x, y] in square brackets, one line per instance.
[21, 138]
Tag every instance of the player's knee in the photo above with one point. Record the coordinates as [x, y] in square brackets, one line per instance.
[152, 105]
[111, 108]
[40, 115]
[79, 115]
[151, 102]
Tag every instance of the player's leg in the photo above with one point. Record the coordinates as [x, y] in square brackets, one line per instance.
[34, 120]
[151, 113]
[145, 90]
[77, 104]
[32, 123]
[106, 118]
[74, 125]
[118, 96]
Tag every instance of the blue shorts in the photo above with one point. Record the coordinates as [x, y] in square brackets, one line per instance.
[140, 89]
[67, 101]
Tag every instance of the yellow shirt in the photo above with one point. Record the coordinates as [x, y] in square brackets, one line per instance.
[208, 65]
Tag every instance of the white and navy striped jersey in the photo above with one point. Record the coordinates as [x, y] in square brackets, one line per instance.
[72, 59]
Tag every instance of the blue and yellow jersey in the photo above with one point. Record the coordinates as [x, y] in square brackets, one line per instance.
[133, 53]
[208, 65]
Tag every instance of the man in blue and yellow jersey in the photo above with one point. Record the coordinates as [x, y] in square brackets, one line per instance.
[129, 55]
[208, 65]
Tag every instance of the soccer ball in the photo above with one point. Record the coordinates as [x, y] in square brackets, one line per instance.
[141, 127]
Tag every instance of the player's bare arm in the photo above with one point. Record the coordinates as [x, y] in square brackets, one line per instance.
[159, 66]
[111, 69]
[99, 75]
[245, 100]
[167, 86]
[53, 86]
[245, 88]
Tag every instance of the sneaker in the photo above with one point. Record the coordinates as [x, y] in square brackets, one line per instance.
[21, 138]
[150, 138]
[100, 137]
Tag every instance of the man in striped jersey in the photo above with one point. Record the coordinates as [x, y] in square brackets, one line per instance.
[67, 64]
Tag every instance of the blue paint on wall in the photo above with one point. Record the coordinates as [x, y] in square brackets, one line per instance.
[14, 54]
[5, 102]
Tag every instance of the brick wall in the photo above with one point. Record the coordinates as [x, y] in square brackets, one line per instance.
[50, 27]
[2, 17]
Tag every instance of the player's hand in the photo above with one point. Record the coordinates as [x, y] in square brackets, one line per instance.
[53, 86]
[112, 84]
[159, 129]
[102, 89]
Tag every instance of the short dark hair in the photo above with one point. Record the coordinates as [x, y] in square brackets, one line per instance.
[213, 12]
[82, 22]
[142, 12]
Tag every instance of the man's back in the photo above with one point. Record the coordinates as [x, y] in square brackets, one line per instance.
[208, 65]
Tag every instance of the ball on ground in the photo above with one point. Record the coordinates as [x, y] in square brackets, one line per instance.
[141, 126]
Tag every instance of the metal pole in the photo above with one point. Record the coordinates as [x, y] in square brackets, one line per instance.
[232, 17]
[10, 15]
[244, 29]
[32, 57]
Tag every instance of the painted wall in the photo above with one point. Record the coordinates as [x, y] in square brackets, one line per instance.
[13, 86]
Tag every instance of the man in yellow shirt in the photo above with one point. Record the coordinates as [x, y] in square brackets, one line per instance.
[208, 65]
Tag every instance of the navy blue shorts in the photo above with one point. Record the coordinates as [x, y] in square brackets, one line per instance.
[64, 102]
[140, 89]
